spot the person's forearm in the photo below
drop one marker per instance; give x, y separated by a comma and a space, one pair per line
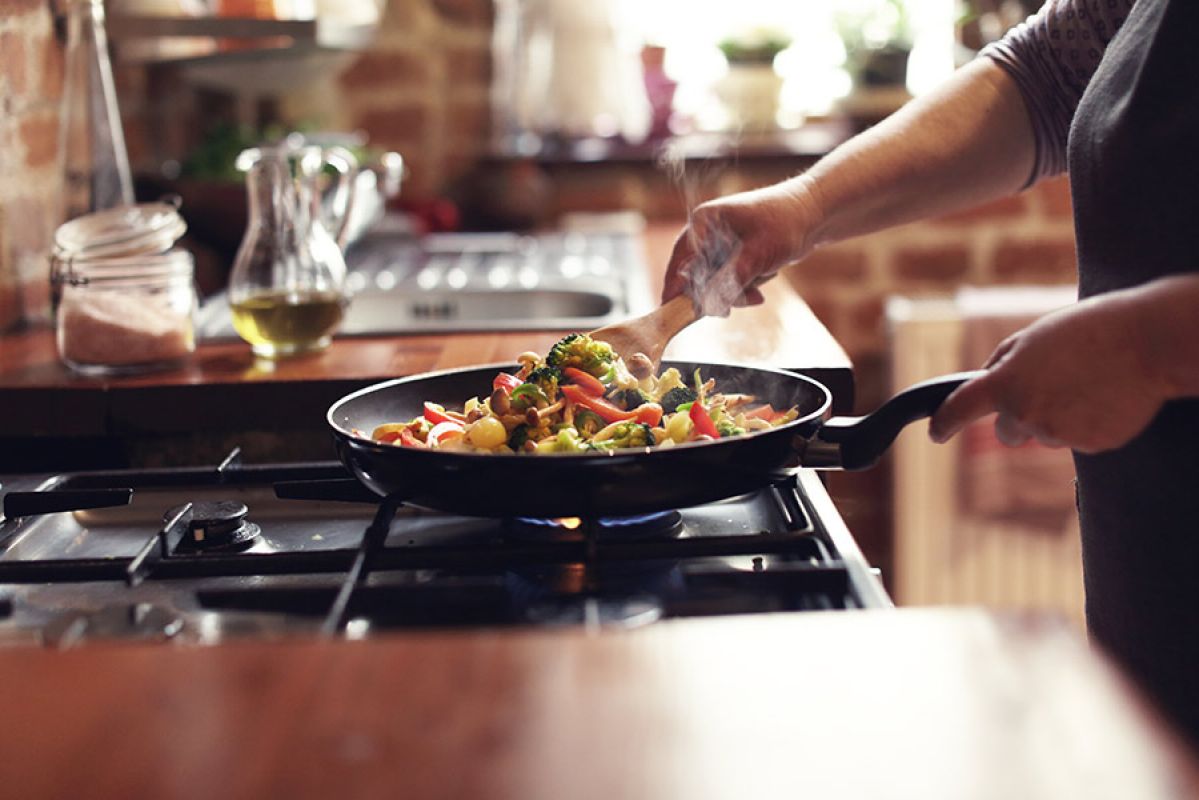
1168, 328
968, 142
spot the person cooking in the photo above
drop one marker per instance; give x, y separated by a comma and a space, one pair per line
1107, 90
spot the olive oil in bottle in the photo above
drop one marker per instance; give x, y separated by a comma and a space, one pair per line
284, 323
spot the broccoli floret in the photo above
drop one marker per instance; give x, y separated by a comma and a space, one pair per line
676, 397
668, 380
546, 379
627, 434
726, 427
570, 442
566, 441
628, 399
518, 437
582, 352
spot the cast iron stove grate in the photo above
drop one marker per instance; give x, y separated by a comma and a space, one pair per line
391, 578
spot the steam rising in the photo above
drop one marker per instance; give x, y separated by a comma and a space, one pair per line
713, 244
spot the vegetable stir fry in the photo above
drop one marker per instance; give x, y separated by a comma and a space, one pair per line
583, 398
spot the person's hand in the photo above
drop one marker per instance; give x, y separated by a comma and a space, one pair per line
1080, 377
735, 243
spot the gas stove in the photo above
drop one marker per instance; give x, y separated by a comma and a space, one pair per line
204, 555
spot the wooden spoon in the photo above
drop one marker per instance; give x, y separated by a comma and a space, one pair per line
651, 333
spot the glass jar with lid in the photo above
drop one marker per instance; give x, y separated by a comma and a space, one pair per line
122, 315
117, 234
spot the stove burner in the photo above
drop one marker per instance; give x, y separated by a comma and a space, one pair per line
663, 524
217, 525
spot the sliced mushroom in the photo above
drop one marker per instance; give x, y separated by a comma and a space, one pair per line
737, 400
537, 416
501, 404
640, 366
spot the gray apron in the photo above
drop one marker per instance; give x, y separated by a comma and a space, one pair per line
1134, 170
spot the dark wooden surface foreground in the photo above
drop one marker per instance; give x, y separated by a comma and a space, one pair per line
895, 704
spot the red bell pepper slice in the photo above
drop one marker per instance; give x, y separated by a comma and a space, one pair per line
702, 423
765, 412
649, 414
506, 381
436, 414
606, 411
408, 440
585, 380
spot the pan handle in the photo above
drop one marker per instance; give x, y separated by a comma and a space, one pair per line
858, 442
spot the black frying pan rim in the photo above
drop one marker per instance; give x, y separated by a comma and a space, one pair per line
467, 457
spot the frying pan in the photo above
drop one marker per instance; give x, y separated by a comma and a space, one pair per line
622, 482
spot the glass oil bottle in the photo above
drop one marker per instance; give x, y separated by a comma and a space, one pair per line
286, 289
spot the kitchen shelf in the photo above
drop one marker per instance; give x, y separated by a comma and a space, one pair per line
812, 140
198, 40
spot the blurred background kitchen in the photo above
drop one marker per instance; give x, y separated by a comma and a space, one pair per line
510, 114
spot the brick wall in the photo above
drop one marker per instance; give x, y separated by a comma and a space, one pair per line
30, 86
1026, 239
423, 88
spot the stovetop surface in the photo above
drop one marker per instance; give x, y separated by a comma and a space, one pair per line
309, 566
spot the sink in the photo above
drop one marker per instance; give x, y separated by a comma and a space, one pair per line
375, 312
481, 281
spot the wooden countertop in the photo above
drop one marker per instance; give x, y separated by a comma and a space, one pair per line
880, 704
41, 397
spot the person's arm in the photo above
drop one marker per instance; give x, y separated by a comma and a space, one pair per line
998, 125
987, 134
967, 142
1090, 376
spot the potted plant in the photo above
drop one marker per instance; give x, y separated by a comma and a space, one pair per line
877, 36
750, 88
